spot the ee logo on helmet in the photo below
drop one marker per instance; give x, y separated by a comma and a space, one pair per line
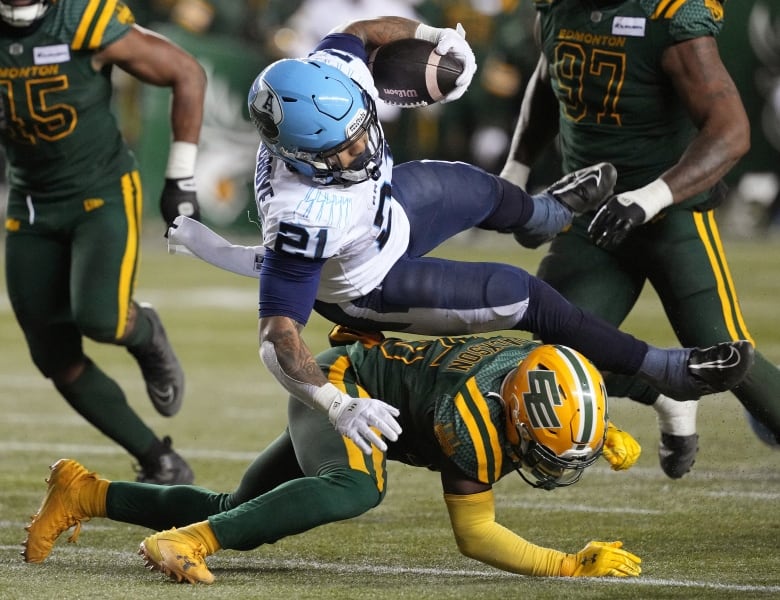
541, 401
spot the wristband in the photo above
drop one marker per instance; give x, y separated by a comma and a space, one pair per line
516, 172
327, 396
181, 160
653, 198
426, 32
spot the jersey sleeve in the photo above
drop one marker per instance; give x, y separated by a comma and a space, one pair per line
690, 19
464, 425
288, 286
97, 23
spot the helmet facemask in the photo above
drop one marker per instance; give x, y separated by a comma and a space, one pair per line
23, 15
541, 468
556, 416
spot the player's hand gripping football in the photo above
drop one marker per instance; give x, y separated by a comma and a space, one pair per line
620, 449
452, 41
179, 198
355, 417
601, 559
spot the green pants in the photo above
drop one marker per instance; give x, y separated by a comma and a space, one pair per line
70, 268
310, 475
682, 257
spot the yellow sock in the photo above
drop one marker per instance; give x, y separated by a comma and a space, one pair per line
92, 496
204, 534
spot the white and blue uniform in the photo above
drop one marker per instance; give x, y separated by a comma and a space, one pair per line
356, 253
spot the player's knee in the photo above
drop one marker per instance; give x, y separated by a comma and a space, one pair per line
60, 359
351, 493
506, 286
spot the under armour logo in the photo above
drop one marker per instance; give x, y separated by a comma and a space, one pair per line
585, 560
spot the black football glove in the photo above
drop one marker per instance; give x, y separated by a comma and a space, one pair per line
179, 198
614, 221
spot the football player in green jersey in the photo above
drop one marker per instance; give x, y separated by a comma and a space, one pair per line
640, 83
74, 208
472, 408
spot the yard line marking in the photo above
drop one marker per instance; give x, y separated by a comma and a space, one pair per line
103, 450
223, 564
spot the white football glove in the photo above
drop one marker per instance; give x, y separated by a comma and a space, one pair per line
354, 418
452, 41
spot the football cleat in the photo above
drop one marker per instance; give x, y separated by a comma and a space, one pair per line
169, 469
706, 370
176, 554
59, 511
159, 366
677, 453
721, 367
679, 442
586, 189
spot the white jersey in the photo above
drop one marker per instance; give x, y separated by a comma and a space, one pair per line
360, 229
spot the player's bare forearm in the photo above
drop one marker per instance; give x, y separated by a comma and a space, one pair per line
714, 104
293, 356
376, 32
153, 59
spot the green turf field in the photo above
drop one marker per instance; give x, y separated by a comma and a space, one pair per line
713, 534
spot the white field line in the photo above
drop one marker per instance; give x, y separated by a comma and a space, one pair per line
226, 298
59, 450
245, 561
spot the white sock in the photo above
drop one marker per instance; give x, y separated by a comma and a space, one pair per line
674, 417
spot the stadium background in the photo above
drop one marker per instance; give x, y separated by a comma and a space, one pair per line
712, 534
235, 39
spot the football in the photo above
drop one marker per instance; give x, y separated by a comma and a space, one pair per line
408, 73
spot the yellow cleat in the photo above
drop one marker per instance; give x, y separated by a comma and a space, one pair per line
179, 555
59, 511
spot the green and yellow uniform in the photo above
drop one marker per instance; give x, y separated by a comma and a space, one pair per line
616, 104
75, 197
447, 392
74, 209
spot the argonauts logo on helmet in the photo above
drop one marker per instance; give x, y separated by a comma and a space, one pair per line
266, 112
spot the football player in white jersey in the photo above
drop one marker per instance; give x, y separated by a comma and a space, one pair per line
346, 233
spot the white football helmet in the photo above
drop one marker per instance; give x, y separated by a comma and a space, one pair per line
556, 416
22, 13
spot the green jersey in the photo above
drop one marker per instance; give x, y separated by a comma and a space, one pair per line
56, 125
447, 391
616, 103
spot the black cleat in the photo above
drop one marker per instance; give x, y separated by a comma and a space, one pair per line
677, 453
586, 189
160, 368
168, 469
721, 367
